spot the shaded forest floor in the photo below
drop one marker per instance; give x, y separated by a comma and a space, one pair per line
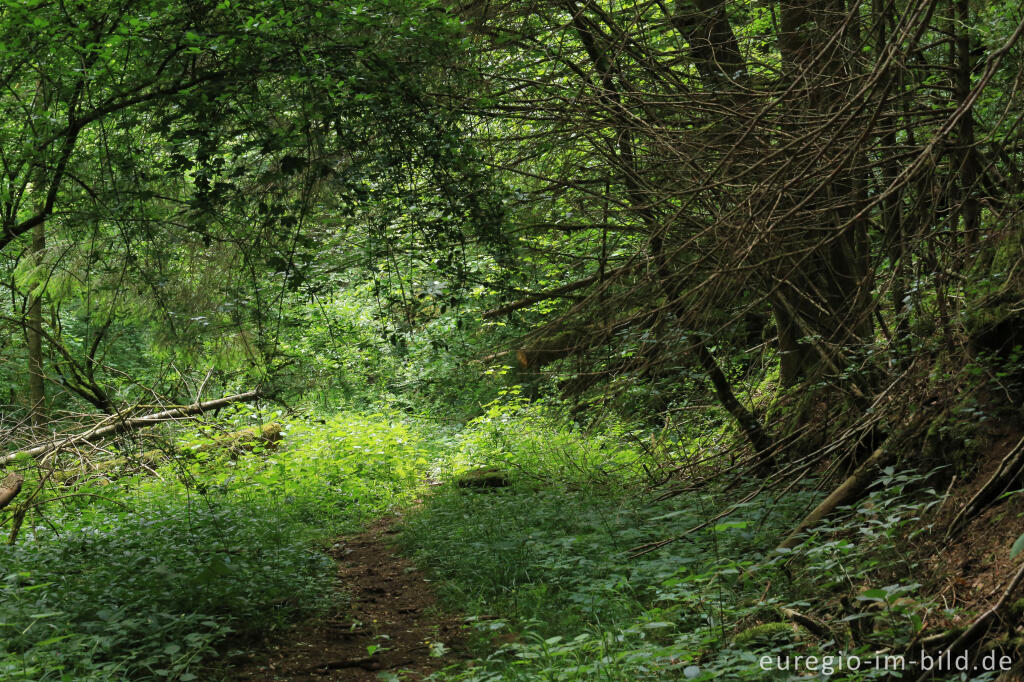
541, 577
387, 621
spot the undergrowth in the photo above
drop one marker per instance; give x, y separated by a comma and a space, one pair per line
143, 574
549, 571
147, 578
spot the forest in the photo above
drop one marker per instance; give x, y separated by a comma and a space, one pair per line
511, 340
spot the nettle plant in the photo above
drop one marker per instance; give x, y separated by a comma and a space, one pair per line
858, 552
531, 437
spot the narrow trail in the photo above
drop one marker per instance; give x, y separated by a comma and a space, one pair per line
391, 623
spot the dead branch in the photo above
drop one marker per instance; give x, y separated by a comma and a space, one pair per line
9, 488
982, 625
124, 424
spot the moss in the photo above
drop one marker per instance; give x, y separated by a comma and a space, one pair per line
245, 440
766, 634
487, 477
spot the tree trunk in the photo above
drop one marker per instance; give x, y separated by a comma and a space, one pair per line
34, 332
823, 289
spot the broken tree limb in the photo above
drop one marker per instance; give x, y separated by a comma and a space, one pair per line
132, 424
849, 490
813, 625
9, 488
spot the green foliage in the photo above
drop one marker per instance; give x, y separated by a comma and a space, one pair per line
348, 350
149, 592
151, 581
185, 163
533, 437
551, 559
326, 199
548, 562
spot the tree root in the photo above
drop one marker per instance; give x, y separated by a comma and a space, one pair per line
984, 623
1010, 469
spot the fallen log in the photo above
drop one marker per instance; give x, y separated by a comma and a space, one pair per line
850, 490
9, 488
483, 478
131, 424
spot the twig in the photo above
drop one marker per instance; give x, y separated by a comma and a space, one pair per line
984, 622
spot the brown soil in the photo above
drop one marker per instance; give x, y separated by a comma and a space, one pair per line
391, 607
970, 571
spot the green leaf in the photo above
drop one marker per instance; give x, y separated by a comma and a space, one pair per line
731, 524
1017, 547
874, 595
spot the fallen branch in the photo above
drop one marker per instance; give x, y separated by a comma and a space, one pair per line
983, 623
813, 625
850, 490
132, 424
9, 488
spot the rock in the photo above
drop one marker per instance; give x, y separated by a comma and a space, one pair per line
484, 477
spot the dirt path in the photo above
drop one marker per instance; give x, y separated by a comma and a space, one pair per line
391, 624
